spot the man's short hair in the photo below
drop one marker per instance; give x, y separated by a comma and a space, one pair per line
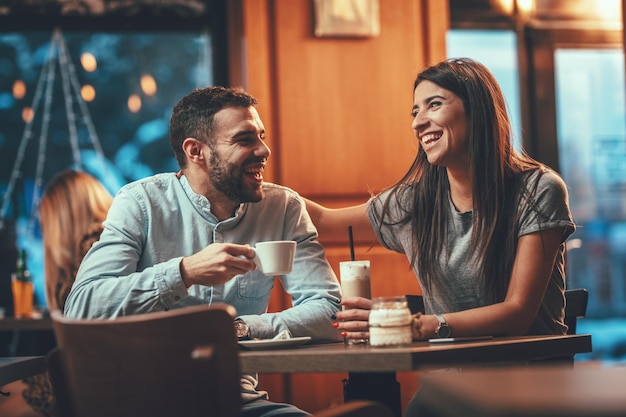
193, 115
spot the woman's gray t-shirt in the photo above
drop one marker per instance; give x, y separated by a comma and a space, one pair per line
460, 288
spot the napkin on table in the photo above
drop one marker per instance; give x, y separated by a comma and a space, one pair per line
282, 335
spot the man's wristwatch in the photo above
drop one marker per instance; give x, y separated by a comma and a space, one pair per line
242, 330
443, 330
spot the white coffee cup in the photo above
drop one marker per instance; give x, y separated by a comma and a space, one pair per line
275, 257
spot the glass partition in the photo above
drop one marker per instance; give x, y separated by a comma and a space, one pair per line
591, 132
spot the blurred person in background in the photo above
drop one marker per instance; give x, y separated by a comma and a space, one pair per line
71, 212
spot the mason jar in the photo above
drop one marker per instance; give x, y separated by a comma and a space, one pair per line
390, 322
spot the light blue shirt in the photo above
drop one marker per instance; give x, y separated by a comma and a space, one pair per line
154, 222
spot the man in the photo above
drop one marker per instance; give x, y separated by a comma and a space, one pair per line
174, 240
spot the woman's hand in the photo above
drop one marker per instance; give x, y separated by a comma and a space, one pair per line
352, 321
417, 326
424, 326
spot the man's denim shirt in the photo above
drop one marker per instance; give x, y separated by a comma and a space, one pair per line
154, 222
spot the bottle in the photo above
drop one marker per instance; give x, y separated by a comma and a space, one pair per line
21, 271
22, 286
390, 322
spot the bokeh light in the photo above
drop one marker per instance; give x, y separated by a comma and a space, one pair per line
88, 61
19, 89
148, 85
88, 93
28, 114
134, 103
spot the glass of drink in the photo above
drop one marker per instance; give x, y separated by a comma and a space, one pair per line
390, 322
22, 297
355, 282
22, 288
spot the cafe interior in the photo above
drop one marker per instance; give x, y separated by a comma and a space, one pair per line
90, 84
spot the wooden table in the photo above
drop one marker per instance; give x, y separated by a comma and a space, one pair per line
12, 330
19, 367
584, 390
370, 369
13, 324
337, 357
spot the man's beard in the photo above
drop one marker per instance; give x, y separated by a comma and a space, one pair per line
228, 179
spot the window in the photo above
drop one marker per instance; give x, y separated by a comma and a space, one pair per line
497, 50
95, 101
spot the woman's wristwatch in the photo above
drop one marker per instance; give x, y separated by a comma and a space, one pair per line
443, 330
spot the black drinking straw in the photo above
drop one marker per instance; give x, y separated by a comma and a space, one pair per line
351, 243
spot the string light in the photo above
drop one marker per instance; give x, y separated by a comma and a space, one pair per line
70, 85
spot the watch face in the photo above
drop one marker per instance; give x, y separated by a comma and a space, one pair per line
241, 328
443, 330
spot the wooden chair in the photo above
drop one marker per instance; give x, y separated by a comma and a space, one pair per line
416, 303
575, 307
178, 363
146, 364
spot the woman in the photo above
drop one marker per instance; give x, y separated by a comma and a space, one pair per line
71, 213
483, 226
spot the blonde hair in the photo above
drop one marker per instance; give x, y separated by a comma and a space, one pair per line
71, 213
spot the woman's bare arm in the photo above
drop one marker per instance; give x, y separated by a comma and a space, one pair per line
536, 254
534, 261
332, 223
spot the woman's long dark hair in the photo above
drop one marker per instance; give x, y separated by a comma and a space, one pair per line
498, 186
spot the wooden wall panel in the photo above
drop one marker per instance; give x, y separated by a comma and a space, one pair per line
390, 271
251, 64
436, 23
344, 104
336, 112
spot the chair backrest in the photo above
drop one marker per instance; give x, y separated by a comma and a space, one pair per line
145, 365
415, 302
575, 307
